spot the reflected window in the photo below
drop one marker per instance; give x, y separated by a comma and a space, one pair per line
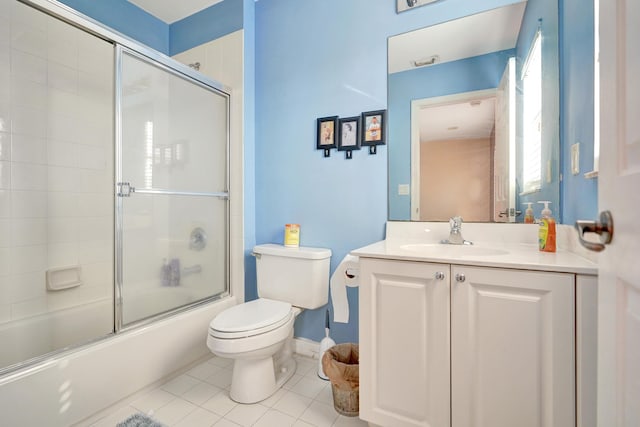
532, 118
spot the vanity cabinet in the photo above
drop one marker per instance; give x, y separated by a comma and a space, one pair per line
448, 345
512, 348
404, 343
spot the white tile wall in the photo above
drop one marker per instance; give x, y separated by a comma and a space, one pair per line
56, 197
5, 118
5, 175
28, 204
5, 204
28, 66
5, 262
5, 230
28, 231
28, 93
5, 146
28, 176
29, 149
29, 121
61, 153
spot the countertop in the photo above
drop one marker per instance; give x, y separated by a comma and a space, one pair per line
522, 256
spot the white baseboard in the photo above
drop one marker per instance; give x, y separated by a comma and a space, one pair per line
306, 347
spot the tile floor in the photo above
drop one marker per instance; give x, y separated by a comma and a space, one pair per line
200, 397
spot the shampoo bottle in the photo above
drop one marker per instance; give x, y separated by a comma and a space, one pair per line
528, 214
547, 231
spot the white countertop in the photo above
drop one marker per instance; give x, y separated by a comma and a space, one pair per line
522, 256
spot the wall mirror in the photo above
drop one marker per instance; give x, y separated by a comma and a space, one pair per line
473, 116
404, 5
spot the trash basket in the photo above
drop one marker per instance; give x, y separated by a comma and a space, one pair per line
341, 364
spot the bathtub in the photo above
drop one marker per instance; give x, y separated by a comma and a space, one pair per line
38, 335
146, 302
76, 384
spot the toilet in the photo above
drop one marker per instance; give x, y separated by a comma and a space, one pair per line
258, 334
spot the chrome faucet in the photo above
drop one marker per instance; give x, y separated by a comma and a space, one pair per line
455, 234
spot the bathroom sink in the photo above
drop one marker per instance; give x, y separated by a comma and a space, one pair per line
440, 249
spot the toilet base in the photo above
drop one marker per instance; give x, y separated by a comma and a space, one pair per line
256, 379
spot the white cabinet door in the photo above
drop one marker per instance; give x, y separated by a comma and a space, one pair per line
404, 343
512, 347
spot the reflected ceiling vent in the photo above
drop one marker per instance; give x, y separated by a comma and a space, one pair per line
426, 61
475, 102
453, 128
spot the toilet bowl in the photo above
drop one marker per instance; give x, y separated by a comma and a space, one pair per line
258, 334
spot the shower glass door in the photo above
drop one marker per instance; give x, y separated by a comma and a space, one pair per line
56, 185
172, 187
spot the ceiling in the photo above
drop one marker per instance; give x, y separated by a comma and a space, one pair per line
473, 35
172, 11
461, 120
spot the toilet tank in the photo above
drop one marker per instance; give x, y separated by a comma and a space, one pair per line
299, 276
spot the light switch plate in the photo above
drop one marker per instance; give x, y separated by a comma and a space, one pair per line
575, 158
403, 189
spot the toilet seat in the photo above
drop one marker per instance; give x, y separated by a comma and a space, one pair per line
251, 318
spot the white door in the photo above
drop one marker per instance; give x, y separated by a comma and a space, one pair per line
504, 159
619, 192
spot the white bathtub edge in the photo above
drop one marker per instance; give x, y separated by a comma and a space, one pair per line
71, 388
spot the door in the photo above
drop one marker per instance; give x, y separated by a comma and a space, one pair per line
504, 154
512, 348
173, 187
404, 343
619, 180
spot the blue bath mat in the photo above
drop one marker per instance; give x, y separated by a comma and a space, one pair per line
139, 420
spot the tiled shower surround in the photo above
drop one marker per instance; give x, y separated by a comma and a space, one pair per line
56, 179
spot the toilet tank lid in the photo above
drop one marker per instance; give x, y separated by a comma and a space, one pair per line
300, 252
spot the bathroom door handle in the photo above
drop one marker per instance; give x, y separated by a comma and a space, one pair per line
603, 228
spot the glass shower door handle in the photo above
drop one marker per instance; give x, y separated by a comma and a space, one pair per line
125, 189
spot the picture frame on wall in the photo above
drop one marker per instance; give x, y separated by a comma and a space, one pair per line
374, 129
326, 134
349, 135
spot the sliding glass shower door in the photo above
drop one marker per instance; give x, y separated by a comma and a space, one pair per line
172, 184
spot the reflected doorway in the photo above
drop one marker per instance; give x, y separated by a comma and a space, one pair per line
463, 156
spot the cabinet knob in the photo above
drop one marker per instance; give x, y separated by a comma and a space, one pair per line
439, 275
460, 277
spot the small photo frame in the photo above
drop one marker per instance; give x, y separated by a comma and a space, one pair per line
349, 135
326, 133
374, 129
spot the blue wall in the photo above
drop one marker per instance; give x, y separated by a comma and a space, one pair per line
249, 148
314, 59
579, 195
465, 75
209, 24
127, 19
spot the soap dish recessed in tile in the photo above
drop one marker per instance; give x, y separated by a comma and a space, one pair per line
63, 278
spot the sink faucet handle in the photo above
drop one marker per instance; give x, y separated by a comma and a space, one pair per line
455, 223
